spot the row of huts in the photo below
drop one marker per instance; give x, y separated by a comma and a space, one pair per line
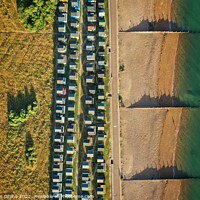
66, 82
95, 102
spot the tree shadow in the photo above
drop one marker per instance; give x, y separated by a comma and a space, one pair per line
159, 25
22, 100
162, 101
165, 172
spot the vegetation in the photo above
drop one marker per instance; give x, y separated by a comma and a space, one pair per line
25, 62
31, 155
36, 14
121, 68
17, 119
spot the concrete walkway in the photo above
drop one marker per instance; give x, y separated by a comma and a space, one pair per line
114, 85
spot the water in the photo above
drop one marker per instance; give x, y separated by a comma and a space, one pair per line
186, 14
187, 91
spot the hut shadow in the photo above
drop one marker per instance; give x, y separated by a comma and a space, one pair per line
22, 100
165, 172
159, 25
147, 101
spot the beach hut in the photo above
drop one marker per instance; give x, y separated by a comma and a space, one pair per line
88, 120
57, 196
62, 59
58, 167
58, 158
91, 7
89, 100
73, 55
100, 3
87, 142
101, 61
100, 147
71, 117
91, 130
101, 52
57, 177
102, 23
61, 80
91, 27
101, 13
73, 65
59, 129
101, 137
69, 161
72, 96
62, 18
90, 56
100, 179
71, 106
90, 153
85, 165
91, 111
60, 69
102, 32
59, 138
92, 89
101, 105
61, 48
75, 4
75, 14
100, 159
62, 28
101, 127
74, 33
101, 168
100, 116
71, 128
90, 67
70, 139
68, 182
62, 7
85, 186
60, 109
61, 37
58, 148
57, 187
73, 44
72, 76
69, 171
61, 91
101, 85
91, 36
90, 46
68, 194
60, 100
91, 17
101, 96
70, 150
72, 87
101, 42
85, 176
100, 74
90, 79
74, 23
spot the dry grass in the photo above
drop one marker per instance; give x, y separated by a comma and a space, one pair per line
26, 61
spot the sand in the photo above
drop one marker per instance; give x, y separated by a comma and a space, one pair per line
148, 76
148, 142
133, 13
153, 190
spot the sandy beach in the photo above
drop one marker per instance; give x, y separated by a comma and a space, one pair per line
154, 190
148, 144
133, 13
148, 76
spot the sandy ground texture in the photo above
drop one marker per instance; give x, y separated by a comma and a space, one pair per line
148, 76
134, 15
148, 142
153, 190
